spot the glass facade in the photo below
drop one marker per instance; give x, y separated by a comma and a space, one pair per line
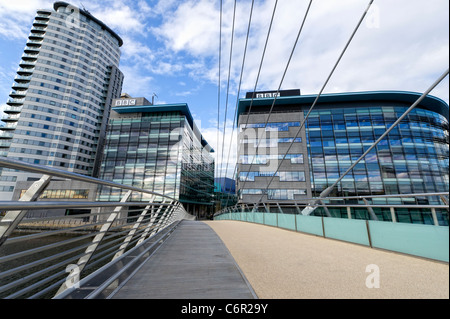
412, 159
224, 193
159, 152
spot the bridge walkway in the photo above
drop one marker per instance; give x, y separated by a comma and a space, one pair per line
193, 263
284, 264
200, 261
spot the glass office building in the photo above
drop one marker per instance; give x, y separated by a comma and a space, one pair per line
224, 192
58, 108
158, 148
412, 159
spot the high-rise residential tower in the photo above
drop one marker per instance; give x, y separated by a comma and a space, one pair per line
58, 108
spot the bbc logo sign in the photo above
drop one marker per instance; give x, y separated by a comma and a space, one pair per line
271, 94
125, 102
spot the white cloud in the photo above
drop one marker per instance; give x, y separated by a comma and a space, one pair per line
192, 27
16, 17
400, 46
121, 17
136, 83
135, 51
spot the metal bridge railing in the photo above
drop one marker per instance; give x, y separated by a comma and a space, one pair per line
48, 256
361, 222
353, 202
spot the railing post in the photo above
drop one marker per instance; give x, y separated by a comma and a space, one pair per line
150, 223
171, 214
279, 208
445, 200
10, 221
325, 208
372, 214
247, 211
130, 235
161, 220
394, 219
433, 213
299, 212
264, 214
323, 227
368, 234
297, 208
82, 262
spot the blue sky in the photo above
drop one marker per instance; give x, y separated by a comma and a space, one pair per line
171, 49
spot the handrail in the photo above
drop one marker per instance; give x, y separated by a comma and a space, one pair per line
34, 168
326, 203
63, 250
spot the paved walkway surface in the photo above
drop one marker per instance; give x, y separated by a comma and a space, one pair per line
285, 264
193, 263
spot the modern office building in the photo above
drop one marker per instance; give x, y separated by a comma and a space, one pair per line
413, 158
224, 192
158, 148
58, 108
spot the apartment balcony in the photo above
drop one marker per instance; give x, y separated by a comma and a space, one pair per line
29, 57
12, 101
25, 71
32, 49
40, 23
27, 64
18, 94
12, 109
5, 143
6, 135
44, 15
41, 19
36, 36
34, 43
22, 78
9, 126
38, 29
10, 118
17, 85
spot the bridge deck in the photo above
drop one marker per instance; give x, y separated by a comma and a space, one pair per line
193, 263
286, 264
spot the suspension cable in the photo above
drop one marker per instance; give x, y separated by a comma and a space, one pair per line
328, 190
257, 77
218, 87
228, 83
320, 92
240, 82
279, 87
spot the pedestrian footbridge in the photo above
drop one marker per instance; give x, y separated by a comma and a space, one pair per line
162, 252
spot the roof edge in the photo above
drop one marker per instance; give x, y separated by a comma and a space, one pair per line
182, 107
86, 13
430, 102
